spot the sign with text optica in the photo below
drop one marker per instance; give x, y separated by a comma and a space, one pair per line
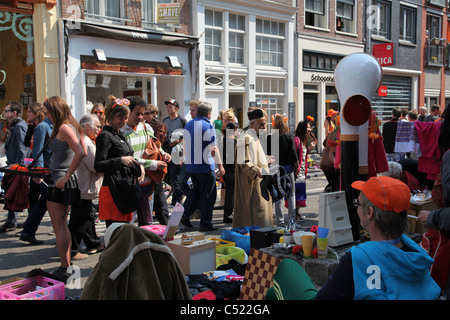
384, 53
169, 13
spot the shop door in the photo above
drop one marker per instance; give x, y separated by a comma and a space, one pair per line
310, 109
236, 102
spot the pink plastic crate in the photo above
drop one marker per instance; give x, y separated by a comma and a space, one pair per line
155, 228
35, 288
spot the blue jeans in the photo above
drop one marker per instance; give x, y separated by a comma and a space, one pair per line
174, 173
37, 213
183, 180
202, 196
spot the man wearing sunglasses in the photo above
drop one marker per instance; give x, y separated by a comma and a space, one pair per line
15, 152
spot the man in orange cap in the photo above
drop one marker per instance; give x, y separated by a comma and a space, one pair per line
390, 266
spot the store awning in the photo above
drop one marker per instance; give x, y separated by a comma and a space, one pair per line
128, 34
137, 35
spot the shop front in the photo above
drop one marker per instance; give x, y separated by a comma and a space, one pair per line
396, 91
103, 61
17, 60
316, 91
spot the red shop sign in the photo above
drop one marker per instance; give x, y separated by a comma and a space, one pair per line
382, 91
384, 53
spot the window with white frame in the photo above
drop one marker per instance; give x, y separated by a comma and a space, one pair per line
345, 16
316, 13
236, 33
150, 11
382, 19
408, 24
105, 11
270, 95
213, 35
270, 38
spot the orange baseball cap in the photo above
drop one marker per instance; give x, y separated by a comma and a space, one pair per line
386, 193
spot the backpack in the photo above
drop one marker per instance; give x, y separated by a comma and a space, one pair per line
278, 184
436, 243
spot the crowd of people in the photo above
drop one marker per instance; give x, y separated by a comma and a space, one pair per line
93, 161
123, 156
414, 155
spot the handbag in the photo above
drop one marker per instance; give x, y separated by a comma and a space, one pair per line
125, 194
152, 152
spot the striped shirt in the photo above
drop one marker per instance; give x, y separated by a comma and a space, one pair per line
138, 141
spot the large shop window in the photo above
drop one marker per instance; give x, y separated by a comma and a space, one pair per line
398, 96
270, 95
320, 61
17, 65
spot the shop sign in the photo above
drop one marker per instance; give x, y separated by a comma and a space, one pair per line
384, 53
382, 91
169, 13
319, 78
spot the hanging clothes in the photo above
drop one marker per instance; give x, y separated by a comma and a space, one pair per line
429, 162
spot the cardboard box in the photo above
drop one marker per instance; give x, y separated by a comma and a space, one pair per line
263, 237
9, 280
195, 258
414, 225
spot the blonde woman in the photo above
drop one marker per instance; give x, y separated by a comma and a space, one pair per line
68, 150
99, 110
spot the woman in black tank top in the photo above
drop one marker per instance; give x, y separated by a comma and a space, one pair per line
67, 143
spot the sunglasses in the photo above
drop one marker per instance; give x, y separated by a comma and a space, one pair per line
356, 203
121, 102
98, 112
7, 110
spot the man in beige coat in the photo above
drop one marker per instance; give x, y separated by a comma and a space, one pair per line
250, 207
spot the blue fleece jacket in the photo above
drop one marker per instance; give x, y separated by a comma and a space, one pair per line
386, 272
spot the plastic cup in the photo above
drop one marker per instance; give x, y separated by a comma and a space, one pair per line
307, 245
322, 232
322, 248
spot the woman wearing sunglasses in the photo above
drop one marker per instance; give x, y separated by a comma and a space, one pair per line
99, 110
114, 157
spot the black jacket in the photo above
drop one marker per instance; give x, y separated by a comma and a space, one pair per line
111, 146
389, 133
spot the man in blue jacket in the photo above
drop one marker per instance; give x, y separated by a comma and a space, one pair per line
16, 150
201, 158
390, 266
